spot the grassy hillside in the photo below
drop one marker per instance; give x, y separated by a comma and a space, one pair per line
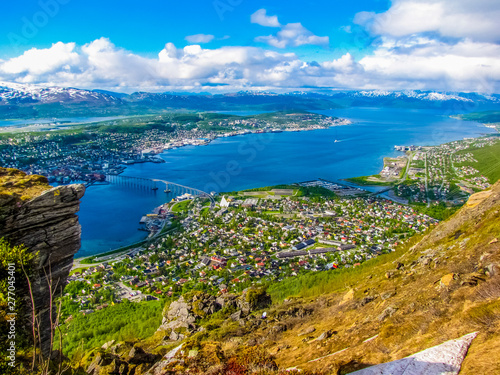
436, 287
488, 158
487, 117
429, 291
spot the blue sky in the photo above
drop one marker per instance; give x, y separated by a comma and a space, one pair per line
377, 44
145, 27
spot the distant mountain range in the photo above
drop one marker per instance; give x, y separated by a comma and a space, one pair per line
34, 101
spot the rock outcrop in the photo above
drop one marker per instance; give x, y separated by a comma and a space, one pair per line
45, 223
182, 315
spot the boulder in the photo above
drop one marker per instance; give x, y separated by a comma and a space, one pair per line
137, 355
367, 300
307, 331
236, 316
387, 295
349, 296
325, 335
388, 312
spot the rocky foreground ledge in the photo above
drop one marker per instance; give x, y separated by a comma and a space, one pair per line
44, 220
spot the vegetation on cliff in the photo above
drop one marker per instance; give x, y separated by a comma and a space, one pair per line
14, 183
16, 265
126, 321
39, 234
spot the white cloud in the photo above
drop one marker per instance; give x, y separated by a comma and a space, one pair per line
261, 18
347, 29
477, 20
437, 44
200, 38
41, 61
414, 62
465, 66
293, 34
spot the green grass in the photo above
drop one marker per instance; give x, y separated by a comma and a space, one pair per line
124, 321
269, 188
488, 158
363, 180
181, 206
325, 282
439, 212
484, 117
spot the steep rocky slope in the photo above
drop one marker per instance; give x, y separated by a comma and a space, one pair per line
433, 289
43, 219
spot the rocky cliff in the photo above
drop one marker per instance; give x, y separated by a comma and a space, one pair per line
43, 219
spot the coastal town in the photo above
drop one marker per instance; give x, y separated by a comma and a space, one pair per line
87, 154
447, 173
251, 238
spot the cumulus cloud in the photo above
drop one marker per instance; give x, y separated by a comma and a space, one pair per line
290, 35
261, 18
467, 66
200, 38
415, 62
42, 61
439, 44
293, 34
477, 20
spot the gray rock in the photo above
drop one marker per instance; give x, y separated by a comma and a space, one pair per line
367, 300
278, 328
325, 335
492, 269
108, 344
307, 331
137, 355
387, 295
46, 224
236, 316
387, 313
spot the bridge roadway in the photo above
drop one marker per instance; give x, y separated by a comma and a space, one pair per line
381, 191
150, 183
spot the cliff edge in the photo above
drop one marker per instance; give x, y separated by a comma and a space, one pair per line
44, 220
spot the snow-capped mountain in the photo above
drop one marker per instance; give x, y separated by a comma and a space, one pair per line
430, 96
14, 93
37, 101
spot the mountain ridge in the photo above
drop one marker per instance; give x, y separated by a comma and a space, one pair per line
37, 101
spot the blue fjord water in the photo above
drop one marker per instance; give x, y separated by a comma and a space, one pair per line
110, 214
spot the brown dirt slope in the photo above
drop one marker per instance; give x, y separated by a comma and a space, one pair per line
445, 286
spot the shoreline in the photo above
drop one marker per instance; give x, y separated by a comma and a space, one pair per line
342, 121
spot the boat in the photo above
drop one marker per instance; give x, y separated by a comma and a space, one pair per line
155, 188
167, 191
336, 141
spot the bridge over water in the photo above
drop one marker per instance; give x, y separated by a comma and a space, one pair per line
168, 187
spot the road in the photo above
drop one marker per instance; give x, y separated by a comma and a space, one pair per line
407, 167
426, 188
